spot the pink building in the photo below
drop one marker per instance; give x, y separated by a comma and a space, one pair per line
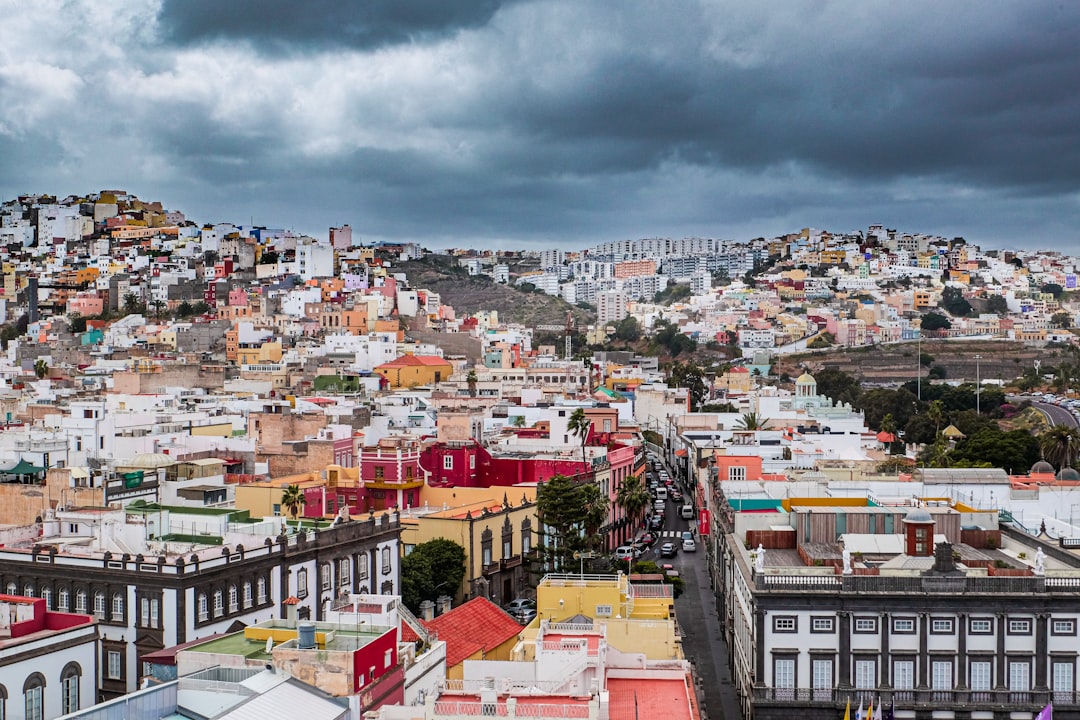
85, 304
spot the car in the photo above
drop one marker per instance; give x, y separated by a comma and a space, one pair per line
676, 495
687, 535
625, 552
668, 549
518, 605
647, 539
688, 545
525, 616
657, 523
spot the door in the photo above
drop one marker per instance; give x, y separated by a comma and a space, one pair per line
823, 679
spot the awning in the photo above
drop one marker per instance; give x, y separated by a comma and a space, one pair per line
24, 468
79, 473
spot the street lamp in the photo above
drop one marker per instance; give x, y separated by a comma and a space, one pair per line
918, 366
978, 385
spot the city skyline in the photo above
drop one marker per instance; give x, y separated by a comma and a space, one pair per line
543, 123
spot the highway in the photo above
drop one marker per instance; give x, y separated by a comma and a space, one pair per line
1055, 414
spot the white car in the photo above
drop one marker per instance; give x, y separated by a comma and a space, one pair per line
689, 545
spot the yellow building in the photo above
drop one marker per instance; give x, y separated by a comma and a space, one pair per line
267, 352
415, 370
497, 536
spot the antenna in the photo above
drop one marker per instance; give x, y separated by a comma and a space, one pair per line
269, 644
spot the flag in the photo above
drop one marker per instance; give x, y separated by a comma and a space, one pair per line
1047, 713
847, 710
870, 710
859, 713
890, 714
877, 711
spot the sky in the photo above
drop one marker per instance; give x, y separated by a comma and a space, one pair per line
488, 124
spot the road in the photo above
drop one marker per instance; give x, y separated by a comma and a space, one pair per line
1056, 414
695, 610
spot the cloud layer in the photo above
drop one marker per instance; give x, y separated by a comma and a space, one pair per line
550, 122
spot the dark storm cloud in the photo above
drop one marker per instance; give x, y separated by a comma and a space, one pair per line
317, 24
553, 121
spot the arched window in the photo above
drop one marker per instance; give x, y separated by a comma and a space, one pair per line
46, 594
80, 601
117, 607
69, 688
261, 591
203, 614
219, 604
247, 594
99, 605
12, 589
344, 577
362, 566
28, 590
63, 600
33, 696
233, 604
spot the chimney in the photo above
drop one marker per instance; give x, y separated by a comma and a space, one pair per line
290, 610
444, 604
427, 611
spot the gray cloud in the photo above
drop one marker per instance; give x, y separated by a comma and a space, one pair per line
559, 121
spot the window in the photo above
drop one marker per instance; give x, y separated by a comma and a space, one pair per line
941, 626
981, 626
324, 577
1019, 676
362, 566
115, 668
1020, 627
380, 472
148, 612
865, 674
247, 594
508, 547
486, 555
261, 590
941, 675
822, 677
1063, 678
62, 598
233, 604
219, 604
301, 583
736, 473
903, 626
204, 615
903, 674
448, 462
344, 572
979, 677
69, 689
472, 462
866, 625
386, 561
99, 605
822, 624
32, 695
117, 607
28, 591
784, 678
1063, 627
785, 624
526, 539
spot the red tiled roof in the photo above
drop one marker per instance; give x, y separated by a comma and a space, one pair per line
885, 437
477, 625
414, 360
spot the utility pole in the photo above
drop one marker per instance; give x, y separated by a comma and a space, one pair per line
978, 385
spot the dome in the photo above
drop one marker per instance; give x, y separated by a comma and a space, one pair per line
918, 515
806, 379
1042, 467
1068, 473
149, 461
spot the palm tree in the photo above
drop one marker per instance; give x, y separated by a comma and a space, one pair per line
579, 426
751, 421
633, 498
594, 506
936, 414
41, 368
1060, 445
292, 499
519, 421
471, 380
131, 303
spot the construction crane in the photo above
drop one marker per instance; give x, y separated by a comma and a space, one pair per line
568, 328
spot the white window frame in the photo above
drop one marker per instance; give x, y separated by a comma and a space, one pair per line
865, 674
866, 625
784, 673
942, 626
822, 624
1019, 676
69, 694
981, 675
260, 587
822, 675
99, 604
247, 594
1063, 627
80, 602
63, 600
447, 462
907, 623
324, 576
975, 626
117, 607
202, 607
1020, 626
362, 567
903, 674
344, 572
1063, 677
941, 674
114, 665
219, 603
234, 603
32, 701
785, 623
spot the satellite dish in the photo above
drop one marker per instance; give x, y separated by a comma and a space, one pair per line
269, 644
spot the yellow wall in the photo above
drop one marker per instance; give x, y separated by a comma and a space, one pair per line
404, 376
502, 652
268, 352
219, 430
824, 502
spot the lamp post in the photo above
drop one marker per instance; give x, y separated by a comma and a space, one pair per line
978, 385
918, 366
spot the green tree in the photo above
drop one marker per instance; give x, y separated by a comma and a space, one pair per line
932, 322
1053, 289
689, 376
628, 329
518, 421
838, 385
433, 568
1061, 319
185, 309
1060, 445
561, 508
292, 500
131, 303
634, 499
41, 368
594, 505
997, 304
953, 300
77, 323
200, 308
936, 413
471, 381
579, 426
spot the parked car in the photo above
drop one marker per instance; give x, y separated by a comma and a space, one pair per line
518, 605
688, 545
657, 522
668, 549
687, 535
525, 616
648, 539
625, 552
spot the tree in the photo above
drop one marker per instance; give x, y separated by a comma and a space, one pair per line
158, 305
200, 308
633, 498
1060, 445
1061, 319
185, 310
936, 413
562, 511
953, 300
1053, 289
77, 323
628, 329
579, 426
751, 421
594, 505
471, 380
433, 568
41, 368
933, 321
689, 376
997, 304
131, 303
518, 421
292, 500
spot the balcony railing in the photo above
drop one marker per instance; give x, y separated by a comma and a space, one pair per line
1025, 700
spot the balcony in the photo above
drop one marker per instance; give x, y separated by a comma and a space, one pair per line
923, 698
